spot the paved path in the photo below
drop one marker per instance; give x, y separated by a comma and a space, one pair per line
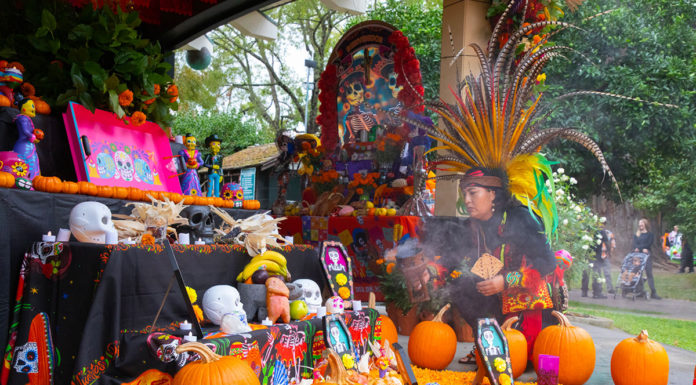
668, 308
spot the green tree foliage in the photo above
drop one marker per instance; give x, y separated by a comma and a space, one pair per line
236, 134
421, 22
642, 49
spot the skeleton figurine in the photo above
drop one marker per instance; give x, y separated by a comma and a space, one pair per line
222, 306
90, 222
200, 223
356, 121
308, 291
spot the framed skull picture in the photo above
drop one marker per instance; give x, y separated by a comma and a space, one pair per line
337, 337
492, 344
338, 270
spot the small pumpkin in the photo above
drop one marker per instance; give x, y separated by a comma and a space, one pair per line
213, 369
70, 187
87, 188
105, 191
165, 195
517, 344
219, 202
201, 201
135, 194
175, 197
189, 200
573, 346
51, 184
640, 361
155, 194
7, 179
432, 344
389, 333
121, 192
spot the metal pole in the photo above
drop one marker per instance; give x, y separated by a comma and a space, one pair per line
306, 112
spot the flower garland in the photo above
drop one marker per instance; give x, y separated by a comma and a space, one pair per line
364, 184
407, 68
328, 108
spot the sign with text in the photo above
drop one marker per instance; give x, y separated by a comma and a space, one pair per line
247, 179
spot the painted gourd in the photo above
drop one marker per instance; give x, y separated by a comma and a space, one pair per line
573, 346
432, 344
640, 361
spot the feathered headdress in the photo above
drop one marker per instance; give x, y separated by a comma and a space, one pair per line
496, 120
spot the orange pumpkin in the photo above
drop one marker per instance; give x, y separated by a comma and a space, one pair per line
201, 201
517, 344
51, 184
121, 192
155, 194
135, 194
640, 361
432, 344
105, 191
189, 200
87, 188
573, 346
219, 202
164, 195
175, 197
70, 187
7, 179
213, 369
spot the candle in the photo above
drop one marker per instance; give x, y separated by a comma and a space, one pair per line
48, 237
267, 322
321, 311
185, 326
357, 305
190, 338
184, 239
111, 238
63, 235
128, 241
200, 242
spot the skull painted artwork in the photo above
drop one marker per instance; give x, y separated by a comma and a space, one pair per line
124, 165
105, 165
200, 223
27, 358
143, 171
90, 221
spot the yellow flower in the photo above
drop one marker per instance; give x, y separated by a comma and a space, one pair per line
455, 274
500, 364
348, 361
541, 77
193, 296
504, 379
19, 169
341, 279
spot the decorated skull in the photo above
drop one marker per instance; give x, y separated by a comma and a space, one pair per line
200, 223
90, 221
354, 93
105, 165
220, 300
27, 358
143, 171
309, 292
334, 305
124, 165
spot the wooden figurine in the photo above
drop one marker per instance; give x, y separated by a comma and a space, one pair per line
213, 161
190, 185
25, 146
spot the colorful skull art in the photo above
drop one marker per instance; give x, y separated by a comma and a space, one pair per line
105, 165
27, 358
143, 171
124, 165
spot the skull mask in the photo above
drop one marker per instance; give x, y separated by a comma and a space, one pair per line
90, 221
200, 223
309, 293
124, 164
220, 300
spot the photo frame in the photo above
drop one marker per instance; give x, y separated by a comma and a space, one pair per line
337, 336
492, 345
338, 269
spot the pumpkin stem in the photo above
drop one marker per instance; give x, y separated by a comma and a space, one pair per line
206, 354
335, 371
371, 300
507, 325
643, 336
561, 318
438, 317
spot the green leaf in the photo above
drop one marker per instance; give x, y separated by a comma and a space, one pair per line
92, 68
81, 32
86, 100
77, 79
47, 20
112, 82
113, 100
99, 81
41, 32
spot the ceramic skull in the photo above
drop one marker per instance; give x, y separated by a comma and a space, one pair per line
334, 305
220, 300
124, 165
309, 292
200, 223
90, 221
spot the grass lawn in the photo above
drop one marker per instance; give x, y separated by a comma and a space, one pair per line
666, 331
675, 286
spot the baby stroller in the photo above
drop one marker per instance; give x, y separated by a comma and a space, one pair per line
631, 278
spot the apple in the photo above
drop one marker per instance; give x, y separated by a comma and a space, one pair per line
298, 309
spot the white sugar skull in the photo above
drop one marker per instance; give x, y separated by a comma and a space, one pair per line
124, 165
27, 358
310, 293
90, 221
334, 305
220, 300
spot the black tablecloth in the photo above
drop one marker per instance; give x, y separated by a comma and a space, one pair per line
91, 294
24, 217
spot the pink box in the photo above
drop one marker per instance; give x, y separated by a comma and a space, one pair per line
121, 154
547, 373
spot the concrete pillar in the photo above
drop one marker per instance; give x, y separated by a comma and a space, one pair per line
467, 21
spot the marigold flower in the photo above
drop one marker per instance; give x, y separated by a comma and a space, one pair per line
456, 274
359, 190
191, 292
28, 89
199, 313
390, 267
147, 239
125, 98
173, 90
380, 261
138, 118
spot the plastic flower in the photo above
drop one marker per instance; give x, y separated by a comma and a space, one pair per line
125, 98
138, 118
19, 169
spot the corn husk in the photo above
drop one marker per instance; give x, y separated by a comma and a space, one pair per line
158, 213
256, 233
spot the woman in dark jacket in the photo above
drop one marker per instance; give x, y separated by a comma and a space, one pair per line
642, 242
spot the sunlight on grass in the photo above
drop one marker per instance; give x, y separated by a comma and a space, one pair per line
676, 286
666, 331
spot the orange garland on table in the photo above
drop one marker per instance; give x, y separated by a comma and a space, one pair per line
449, 377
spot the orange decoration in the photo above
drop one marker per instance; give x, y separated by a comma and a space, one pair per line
175, 197
121, 192
517, 344
70, 187
135, 194
155, 194
189, 200
87, 188
200, 201
105, 191
7, 179
51, 184
432, 344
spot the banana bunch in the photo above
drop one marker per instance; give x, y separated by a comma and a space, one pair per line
273, 262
